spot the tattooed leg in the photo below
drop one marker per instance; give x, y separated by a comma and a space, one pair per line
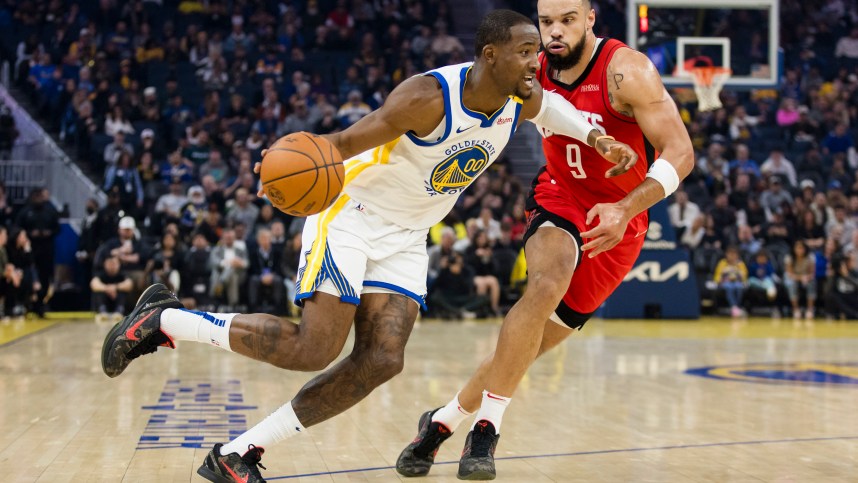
308, 346
382, 326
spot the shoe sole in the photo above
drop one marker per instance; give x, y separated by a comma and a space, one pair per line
477, 475
122, 325
420, 422
210, 475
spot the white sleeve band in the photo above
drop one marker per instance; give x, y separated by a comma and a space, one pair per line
560, 117
664, 172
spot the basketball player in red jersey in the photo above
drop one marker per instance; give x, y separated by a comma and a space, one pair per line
585, 227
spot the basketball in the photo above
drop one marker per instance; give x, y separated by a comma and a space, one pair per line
302, 174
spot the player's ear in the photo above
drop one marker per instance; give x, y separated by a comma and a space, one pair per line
489, 53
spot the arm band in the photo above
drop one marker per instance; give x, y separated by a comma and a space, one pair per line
560, 117
664, 172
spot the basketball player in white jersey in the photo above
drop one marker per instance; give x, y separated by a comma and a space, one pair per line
365, 256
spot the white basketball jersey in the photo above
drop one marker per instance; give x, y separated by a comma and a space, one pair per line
414, 182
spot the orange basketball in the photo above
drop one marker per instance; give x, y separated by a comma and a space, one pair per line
302, 174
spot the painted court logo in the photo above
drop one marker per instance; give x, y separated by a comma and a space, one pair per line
801, 373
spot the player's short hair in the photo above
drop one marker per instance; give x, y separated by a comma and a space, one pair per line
496, 27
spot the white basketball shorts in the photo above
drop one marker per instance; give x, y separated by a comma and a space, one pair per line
349, 250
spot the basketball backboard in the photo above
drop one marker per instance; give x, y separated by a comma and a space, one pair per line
679, 34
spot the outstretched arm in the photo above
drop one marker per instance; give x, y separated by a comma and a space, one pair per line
416, 105
638, 88
554, 113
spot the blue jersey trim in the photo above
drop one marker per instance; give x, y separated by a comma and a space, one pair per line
448, 114
485, 121
299, 298
515, 120
421, 300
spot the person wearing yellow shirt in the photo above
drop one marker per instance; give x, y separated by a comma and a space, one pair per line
731, 274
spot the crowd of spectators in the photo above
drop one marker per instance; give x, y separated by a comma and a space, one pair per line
168, 105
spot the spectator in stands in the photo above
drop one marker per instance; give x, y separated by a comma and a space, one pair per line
682, 212
444, 44
453, 294
742, 125
195, 272
298, 120
809, 231
800, 275
115, 122
744, 164
774, 198
265, 274
243, 210
169, 205
838, 141
489, 225
840, 226
126, 178
110, 289
215, 167
148, 144
177, 169
165, 266
787, 114
114, 150
740, 195
128, 248
762, 276
228, 266
41, 221
844, 290
748, 245
7, 279
731, 275
846, 50
440, 251
777, 164
479, 257
353, 110
24, 276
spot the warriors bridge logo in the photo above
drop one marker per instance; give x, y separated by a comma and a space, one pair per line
465, 161
802, 373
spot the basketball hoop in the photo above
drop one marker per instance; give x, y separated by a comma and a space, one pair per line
708, 81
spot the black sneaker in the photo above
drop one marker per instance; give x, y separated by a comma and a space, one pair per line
478, 457
139, 333
233, 468
417, 458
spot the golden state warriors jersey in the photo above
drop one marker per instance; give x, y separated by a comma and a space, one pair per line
414, 182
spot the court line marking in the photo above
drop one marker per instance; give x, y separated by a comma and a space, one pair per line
16, 339
583, 453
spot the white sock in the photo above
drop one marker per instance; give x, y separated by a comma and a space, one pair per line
184, 324
451, 415
492, 409
281, 424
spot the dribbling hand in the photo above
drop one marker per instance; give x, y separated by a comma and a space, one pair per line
618, 153
256, 167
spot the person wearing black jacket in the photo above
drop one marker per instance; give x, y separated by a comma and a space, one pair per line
42, 222
265, 273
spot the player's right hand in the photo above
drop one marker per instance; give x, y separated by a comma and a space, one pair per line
618, 153
257, 166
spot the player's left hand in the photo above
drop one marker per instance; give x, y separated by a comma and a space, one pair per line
618, 153
613, 221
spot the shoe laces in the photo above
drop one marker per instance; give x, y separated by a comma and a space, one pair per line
148, 345
481, 441
432, 440
253, 459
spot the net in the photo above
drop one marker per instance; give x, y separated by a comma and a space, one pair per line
708, 81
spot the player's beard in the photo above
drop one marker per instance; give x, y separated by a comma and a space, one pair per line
563, 62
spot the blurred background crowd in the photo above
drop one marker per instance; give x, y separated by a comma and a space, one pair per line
167, 105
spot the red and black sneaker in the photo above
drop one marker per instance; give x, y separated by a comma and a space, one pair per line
139, 333
478, 457
417, 458
233, 468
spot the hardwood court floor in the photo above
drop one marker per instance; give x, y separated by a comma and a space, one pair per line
613, 404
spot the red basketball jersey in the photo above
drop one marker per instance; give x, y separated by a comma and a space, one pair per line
573, 179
